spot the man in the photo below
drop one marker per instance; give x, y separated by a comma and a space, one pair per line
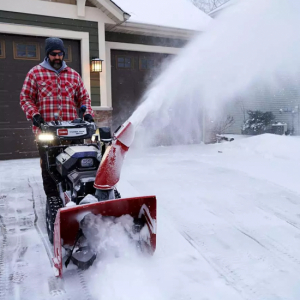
53, 88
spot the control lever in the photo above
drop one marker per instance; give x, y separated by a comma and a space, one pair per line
82, 110
56, 117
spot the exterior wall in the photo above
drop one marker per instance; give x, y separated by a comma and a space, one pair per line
103, 118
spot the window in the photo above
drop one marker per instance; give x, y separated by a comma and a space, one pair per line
68, 56
2, 49
146, 64
27, 51
124, 62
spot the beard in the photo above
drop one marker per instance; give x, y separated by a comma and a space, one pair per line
56, 63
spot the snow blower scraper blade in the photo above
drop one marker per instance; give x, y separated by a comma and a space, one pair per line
67, 222
141, 209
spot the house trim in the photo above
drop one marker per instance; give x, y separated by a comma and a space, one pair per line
55, 10
48, 32
128, 47
155, 30
111, 9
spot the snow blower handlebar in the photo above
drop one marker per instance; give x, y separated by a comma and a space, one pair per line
81, 112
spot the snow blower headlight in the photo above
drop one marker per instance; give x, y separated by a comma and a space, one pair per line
87, 163
46, 137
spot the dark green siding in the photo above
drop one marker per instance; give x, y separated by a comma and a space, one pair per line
67, 24
143, 39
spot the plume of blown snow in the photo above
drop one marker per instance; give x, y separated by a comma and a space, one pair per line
251, 42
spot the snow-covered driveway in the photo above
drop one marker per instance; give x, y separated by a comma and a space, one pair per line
228, 227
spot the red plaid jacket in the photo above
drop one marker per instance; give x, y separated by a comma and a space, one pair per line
46, 93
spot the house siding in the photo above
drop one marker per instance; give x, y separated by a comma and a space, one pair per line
285, 99
66, 24
144, 40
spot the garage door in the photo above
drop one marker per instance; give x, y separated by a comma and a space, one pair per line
132, 72
18, 54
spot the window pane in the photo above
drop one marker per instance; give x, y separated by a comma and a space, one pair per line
127, 62
121, 65
21, 47
66, 53
21, 50
31, 54
120, 59
31, 48
150, 64
143, 63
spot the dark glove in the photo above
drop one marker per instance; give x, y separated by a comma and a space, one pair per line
37, 120
88, 118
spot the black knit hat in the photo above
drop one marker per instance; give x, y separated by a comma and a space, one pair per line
54, 44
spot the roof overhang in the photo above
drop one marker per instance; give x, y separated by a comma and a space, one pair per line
122, 25
112, 10
151, 30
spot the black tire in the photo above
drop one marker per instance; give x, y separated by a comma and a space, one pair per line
53, 204
117, 194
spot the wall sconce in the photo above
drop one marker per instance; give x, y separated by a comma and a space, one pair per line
97, 65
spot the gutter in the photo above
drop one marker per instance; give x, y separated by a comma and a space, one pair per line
126, 17
156, 30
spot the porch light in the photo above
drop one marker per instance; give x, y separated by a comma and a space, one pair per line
97, 65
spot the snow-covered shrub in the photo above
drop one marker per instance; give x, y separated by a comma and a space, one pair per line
258, 122
218, 128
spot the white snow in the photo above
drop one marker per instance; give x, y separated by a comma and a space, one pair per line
223, 6
228, 227
109, 236
168, 13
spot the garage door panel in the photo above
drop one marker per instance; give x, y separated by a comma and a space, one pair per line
17, 143
132, 72
12, 114
3, 83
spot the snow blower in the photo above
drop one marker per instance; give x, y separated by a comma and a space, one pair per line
86, 175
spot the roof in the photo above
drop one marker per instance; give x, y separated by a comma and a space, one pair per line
181, 14
172, 18
216, 11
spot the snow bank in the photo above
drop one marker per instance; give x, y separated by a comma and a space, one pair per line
270, 146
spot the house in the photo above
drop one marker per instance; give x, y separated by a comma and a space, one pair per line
132, 37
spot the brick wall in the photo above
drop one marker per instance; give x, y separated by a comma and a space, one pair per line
103, 118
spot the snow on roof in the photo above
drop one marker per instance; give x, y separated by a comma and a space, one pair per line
223, 6
180, 14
